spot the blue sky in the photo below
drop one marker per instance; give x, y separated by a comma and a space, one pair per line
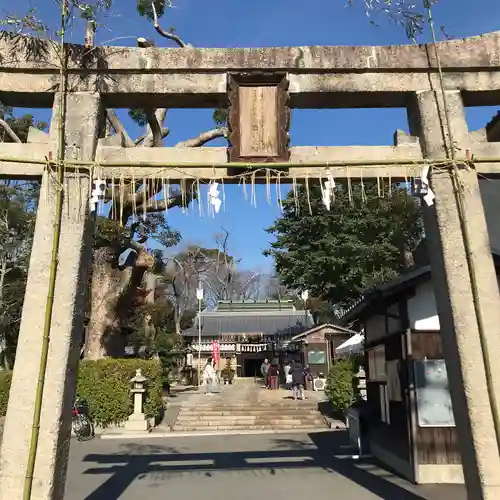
231, 23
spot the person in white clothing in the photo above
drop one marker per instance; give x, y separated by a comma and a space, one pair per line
209, 376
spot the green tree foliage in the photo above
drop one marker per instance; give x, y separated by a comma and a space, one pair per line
338, 254
145, 9
18, 202
17, 221
409, 15
19, 124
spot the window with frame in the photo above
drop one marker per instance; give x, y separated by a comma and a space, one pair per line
376, 364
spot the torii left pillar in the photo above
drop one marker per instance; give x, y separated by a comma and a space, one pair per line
82, 124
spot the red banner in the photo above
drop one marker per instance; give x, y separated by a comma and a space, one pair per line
215, 350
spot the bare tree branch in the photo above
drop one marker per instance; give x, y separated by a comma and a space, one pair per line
119, 128
9, 131
166, 34
164, 133
203, 138
152, 205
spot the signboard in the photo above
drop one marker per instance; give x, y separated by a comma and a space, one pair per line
434, 407
316, 357
215, 350
259, 117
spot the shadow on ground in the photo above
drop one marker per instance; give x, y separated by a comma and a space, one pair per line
136, 460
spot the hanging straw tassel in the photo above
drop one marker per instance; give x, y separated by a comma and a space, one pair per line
79, 193
164, 192
279, 195
145, 199
363, 193
198, 194
113, 207
61, 187
223, 194
349, 186
134, 200
308, 195
122, 197
254, 198
295, 195
245, 195
183, 195
156, 191
169, 189
268, 186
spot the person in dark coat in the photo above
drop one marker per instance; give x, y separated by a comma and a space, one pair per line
297, 380
273, 376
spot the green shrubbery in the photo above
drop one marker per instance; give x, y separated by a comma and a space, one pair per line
5, 378
340, 384
105, 385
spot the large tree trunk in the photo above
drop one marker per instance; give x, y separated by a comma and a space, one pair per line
108, 285
112, 292
149, 326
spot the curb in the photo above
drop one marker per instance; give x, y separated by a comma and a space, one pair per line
152, 435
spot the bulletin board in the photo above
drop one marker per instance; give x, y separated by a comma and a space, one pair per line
434, 407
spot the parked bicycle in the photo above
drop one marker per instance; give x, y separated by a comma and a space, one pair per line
81, 423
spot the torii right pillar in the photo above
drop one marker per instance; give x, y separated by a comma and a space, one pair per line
471, 359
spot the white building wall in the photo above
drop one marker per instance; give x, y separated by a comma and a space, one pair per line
422, 309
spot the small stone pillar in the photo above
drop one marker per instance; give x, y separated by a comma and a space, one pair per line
137, 421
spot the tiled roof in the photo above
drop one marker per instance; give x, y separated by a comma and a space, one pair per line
255, 305
265, 323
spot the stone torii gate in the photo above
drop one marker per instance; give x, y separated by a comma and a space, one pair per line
259, 85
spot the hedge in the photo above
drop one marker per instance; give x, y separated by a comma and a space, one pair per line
5, 379
105, 385
340, 386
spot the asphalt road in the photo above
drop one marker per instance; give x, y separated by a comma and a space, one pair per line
295, 467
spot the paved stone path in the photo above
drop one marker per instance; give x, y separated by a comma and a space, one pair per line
293, 467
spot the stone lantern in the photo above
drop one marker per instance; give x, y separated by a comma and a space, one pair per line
137, 421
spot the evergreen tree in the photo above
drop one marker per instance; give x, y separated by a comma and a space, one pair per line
338, 254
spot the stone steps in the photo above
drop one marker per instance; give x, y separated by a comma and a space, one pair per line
249, 408
213, 428
249, 417
249, 411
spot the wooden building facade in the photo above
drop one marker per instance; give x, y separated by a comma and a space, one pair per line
410, 423
318, 346
247, 332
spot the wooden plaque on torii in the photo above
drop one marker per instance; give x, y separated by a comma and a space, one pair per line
259, 117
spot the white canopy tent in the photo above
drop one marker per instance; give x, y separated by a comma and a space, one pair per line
353, 345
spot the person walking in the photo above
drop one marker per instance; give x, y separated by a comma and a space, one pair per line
297, 380
287, 369
274, 375
264, 370
209, 377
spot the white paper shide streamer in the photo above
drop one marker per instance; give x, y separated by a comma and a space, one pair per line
327, 191
98, 193
214, 201
425, 188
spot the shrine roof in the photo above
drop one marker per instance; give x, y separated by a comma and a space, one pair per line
252, 323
